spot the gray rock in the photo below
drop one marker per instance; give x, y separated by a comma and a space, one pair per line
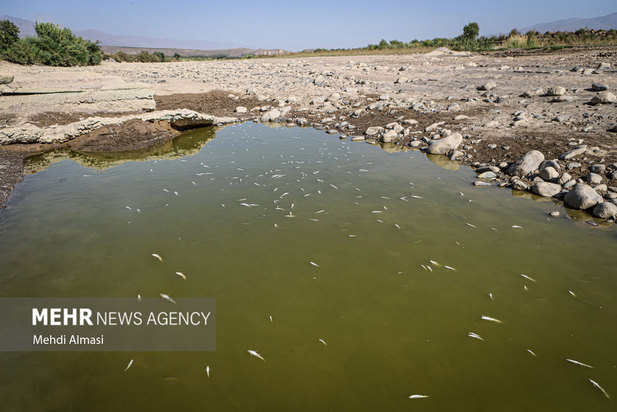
271, 115
373, 131
593, 178
604, 98
552, 163
556, 91
582, 197
573, 153
569, 184
240, 109
597, 168
480, 183
564, 178
599, 87
563, 99
487, 175
520, 185
357, 139
605, 210
433, 126
549, 173
487, 86
445, 144
546, 189
526, 164
388, 136
533, 92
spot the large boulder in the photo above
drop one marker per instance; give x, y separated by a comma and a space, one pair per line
582, 197
526, 164
604, 98
271, 115
446, 144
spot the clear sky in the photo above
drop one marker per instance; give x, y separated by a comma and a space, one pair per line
296, 25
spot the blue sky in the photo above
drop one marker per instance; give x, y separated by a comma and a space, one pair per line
296, 25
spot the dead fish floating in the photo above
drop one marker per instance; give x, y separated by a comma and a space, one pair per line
181, 275
475, 336
154, 255
490, 319
255, 354
597, 385
418, 396
579, 363
129, 365
168, 298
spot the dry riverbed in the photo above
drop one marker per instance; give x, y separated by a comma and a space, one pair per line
542, 123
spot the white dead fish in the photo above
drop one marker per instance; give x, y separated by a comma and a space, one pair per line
397, 226
490, 295
323, 341
418, 396
474, 335
416, 197
314, 264
532, 352
449, 268
516, 227
491, 319
527, 277
138, 298
470, 225
154, 255
166, 297
128, 207
129, 365
208, 371
435, 263
333, 186
181, 275
320, 211
270, 318
255, 354
376, 211
579, 363
351, 235
597, 385
429, 268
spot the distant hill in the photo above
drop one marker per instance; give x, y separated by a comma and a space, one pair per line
26, 28
607, 22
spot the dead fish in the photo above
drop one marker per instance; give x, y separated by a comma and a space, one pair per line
491, 319
181, 275
527, 277
470, 225
397, 226
579, 363
333, 186
449, 268
166, 297
376, 211
154, 255
516, 227
323, 341
532, 352
434, 263
129, 365
270, 318
138, 298
416, 197
597, 385
418, 396
490, 295
208, 371
429, 268
128, 207
314, 264
314, 220
320, 211
351, 235
475, 336
255, 354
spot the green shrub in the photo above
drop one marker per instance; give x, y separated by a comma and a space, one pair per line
9, 34
53, 46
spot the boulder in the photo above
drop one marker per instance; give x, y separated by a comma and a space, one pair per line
546, 189
445, 144
271, 115
604, 98
556, 91
582, 197
605, 210
526, 164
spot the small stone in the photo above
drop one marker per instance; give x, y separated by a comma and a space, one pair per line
546, 189
556, 91
605, 210
573, 153
549, 173
487, 175
240, 109
526, 164
520, 185
372, 131
599, 87
593, 178
487, 86
597, 168
604, 98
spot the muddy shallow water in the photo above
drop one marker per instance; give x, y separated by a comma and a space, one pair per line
408, 258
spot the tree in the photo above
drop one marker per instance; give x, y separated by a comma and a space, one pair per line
471, 31
9, 34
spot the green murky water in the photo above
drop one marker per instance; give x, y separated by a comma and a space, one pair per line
393, 328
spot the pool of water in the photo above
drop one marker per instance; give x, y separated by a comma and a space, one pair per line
406, 258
